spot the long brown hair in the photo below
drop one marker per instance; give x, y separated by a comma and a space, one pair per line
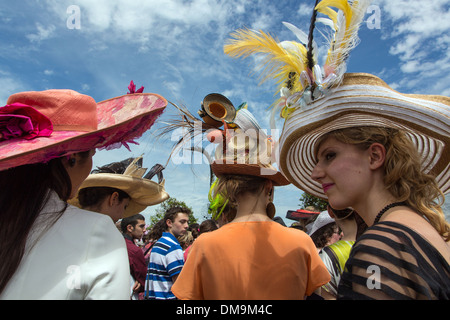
404, 177
24, 193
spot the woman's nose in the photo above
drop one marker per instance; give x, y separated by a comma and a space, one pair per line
318, 173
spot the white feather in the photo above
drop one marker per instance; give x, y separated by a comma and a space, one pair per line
327, 22
346, 38
302, 37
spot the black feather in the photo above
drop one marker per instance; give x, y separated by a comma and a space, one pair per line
309, 54
116, 167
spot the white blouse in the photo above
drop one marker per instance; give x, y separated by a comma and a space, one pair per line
82, 256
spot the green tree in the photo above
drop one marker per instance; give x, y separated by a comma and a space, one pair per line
164, 206
307, 200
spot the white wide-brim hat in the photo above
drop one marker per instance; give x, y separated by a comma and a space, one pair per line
365, 100
322, 220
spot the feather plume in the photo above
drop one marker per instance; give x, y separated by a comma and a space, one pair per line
294, 65
347, 22
303, 37
279, 59
187, 121
343, 5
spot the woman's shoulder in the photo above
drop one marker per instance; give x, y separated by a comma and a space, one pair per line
390, 238
386, 234
398, 254
84, 223
83, 216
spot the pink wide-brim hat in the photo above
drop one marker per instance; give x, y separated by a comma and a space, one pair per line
80, 124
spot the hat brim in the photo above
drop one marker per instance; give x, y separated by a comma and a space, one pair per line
322, 220
365, 100
275, 176
143, 192
300, 214
120, 120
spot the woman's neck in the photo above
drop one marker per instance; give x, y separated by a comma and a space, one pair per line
251, 208
349, 229
376, 200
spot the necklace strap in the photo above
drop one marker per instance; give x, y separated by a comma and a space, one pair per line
389, 206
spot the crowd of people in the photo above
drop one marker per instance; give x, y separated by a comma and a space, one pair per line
333, 233
379, 158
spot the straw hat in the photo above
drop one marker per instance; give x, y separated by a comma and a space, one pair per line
71, 122
315, 100
365, 100
142, 190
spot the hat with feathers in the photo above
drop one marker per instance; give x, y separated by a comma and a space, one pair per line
315, 99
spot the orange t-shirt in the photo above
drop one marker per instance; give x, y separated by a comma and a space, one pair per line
251, 261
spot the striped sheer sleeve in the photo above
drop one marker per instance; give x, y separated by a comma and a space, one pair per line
391, 261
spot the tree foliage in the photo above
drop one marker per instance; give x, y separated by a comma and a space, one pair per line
164, 206
307, 200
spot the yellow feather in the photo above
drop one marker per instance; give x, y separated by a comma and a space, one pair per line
346, 36
277, 62
343, 5
331, 14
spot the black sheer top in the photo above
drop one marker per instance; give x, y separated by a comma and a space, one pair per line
391, 261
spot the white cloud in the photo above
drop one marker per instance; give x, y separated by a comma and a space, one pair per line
8, 86
85, 87
43, 33
174, 87
305, 9
139, 16
419, 31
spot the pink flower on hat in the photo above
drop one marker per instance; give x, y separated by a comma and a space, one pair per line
132, 88
22, 121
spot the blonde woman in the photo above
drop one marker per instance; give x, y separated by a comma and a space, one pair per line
378, 172
351, 139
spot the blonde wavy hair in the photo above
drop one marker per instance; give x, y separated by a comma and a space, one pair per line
404, 177
231, 186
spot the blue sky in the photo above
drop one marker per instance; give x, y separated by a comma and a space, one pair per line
175, 48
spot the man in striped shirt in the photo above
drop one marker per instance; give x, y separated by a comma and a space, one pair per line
166, 257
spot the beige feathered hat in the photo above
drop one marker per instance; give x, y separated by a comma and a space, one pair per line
142, 190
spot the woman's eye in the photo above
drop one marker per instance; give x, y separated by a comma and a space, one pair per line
330, 155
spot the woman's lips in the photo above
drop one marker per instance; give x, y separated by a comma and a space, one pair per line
327, 186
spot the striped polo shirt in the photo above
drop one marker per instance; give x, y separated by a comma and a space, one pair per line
166, 261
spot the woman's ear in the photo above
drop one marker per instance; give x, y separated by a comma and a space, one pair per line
113, 199
377, 154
